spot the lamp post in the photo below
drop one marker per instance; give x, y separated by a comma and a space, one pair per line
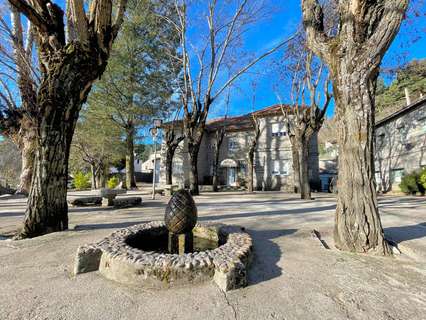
154, 132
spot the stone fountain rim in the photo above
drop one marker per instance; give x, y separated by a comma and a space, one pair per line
112, 256
121, 250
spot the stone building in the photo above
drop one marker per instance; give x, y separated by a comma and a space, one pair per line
400, 144
273, 156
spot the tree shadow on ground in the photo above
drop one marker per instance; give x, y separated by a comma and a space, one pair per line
12, 214
113, 225
13, 204
267, 254
245, 202
405, 233
89, 209
266, 213
411, 201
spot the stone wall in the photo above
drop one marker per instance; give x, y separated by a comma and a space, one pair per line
400, 146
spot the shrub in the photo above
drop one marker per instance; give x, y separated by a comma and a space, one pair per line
412, 183
422, 178
113, 182
82, 181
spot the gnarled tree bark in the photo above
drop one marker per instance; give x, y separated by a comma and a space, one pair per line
219, 136
68, 69
17, 122
366, 30
251, 151
296, 167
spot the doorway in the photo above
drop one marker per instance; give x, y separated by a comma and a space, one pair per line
232, 177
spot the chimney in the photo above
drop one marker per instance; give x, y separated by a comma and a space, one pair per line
407, 96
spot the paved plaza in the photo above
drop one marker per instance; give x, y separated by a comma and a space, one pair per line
292, 275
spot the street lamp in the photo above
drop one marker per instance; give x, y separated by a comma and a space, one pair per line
154, 133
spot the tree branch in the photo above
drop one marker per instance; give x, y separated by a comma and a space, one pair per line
119, 18
31, 14
248, 66
313, 20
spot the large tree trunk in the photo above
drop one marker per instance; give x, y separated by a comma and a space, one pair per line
357, 223
93, 176
67, 72
193, 177
104, 174
215, 182
169, 165
47, 209
296, 169
28, 146
365, 32
251, 171
130, 158
303, 153
216, 169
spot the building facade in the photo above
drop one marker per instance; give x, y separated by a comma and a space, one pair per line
400, 145
273, 168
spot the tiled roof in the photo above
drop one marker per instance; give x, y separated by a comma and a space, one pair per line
231, 123
271, 111
401, 112
239, 123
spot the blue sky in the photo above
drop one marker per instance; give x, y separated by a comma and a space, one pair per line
282, 25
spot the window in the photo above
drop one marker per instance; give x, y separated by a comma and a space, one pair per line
380, 140
232, 144
280, 168
278, 130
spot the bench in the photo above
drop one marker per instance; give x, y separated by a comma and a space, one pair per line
169, 189
158, 191
109, 195
126, 202
85, 201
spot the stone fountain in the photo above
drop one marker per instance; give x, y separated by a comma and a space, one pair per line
178, 251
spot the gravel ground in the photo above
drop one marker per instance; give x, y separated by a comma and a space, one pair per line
292, 275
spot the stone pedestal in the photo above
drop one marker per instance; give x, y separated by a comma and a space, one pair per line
108, 201
180, 243
109, 195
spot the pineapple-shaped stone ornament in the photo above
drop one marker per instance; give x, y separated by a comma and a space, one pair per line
181, 213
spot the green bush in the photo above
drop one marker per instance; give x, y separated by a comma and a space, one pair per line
113, 182
422, 178
82, 181
412, 183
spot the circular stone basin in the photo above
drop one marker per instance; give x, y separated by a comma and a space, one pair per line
138, 256
157, 240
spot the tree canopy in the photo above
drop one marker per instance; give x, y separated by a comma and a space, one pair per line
412, 76
140, 78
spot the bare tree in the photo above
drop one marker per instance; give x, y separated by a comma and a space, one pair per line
19, 80
72, 55
304, 120
172, 140
353, 55
252, 150
203, 84
219, 135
